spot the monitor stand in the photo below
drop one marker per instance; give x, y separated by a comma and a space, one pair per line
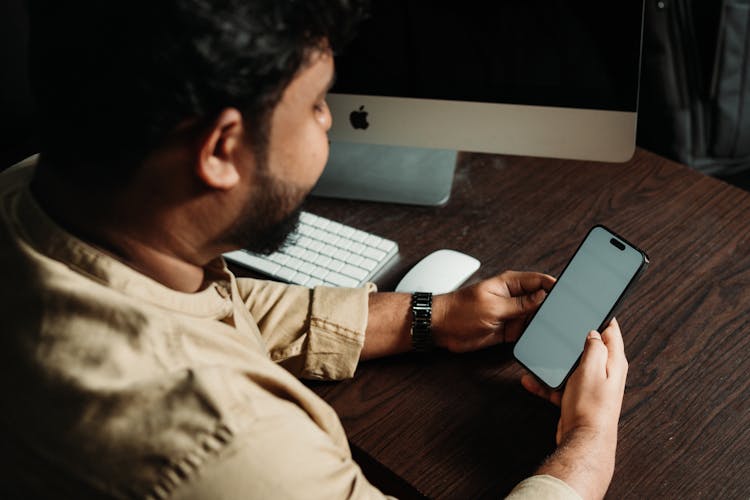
393, 174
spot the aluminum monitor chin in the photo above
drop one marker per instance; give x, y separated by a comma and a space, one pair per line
547, 78
545, 131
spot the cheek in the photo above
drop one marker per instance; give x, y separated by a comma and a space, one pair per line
317, 154
299, 151
302, 158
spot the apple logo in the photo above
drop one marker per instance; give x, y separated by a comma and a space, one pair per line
358, 118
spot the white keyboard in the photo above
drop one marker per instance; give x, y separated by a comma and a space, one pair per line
322, 252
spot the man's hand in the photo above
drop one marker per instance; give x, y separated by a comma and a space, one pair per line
489, 312
468, 319
589, 413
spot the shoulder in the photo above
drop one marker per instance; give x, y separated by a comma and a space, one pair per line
101, 416
132, 401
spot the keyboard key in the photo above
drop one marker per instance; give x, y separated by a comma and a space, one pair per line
386, 246
285, 273
318, 272
358, 235
368, 264
307, 217
294, 263
317, 234
345, 244
304, 241
300, 279
316, 246
372, 240
336, 265
329, 249
330, 240
323, 261
313, 282
319, 222
334, 227
346, 232
342, 255
296, 251
305, 230
373, 253
306, 268
279, 258
341, 280
309, 256
354, 272
357, 247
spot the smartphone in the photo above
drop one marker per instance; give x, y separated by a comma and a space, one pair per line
584, 298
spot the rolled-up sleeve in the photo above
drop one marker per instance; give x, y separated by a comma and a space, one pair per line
314, 333
543, 487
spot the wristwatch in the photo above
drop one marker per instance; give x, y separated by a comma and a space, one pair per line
421, 310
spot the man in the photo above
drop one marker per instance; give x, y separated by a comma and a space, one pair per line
134, 363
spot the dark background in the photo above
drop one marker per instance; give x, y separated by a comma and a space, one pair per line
17, 137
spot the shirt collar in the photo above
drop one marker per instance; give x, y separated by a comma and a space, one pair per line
214, 300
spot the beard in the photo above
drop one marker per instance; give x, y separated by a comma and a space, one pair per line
269, 217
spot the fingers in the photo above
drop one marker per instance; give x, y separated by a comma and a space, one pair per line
526, 283
520, 293
531, 384
522, 305
612, 338
527, 290
595, 354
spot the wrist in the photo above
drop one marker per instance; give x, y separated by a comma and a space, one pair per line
585, 460
440, 307
600, 436
421, 323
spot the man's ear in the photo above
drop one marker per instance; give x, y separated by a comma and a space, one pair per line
220, 147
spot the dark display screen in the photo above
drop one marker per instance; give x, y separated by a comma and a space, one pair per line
581, 54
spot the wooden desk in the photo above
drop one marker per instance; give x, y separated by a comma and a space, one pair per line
460, 426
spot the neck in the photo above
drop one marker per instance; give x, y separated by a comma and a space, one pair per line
125, 225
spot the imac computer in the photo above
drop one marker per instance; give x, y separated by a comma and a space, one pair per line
425, 79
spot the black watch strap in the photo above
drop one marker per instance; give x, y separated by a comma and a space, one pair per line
421, 310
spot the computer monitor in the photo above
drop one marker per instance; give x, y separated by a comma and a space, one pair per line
424, 79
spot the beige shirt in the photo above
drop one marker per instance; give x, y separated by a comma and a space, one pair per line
115, 385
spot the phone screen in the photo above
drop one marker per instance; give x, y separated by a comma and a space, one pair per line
584, 297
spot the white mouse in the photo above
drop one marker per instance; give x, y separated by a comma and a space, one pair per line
440, 272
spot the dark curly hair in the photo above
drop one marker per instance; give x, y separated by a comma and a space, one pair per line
112, 79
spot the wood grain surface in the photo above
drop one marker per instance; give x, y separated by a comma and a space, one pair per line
460, 426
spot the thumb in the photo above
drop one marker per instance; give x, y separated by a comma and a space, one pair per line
594, 358
522, 305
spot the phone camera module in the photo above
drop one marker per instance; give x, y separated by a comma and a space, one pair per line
617, 243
